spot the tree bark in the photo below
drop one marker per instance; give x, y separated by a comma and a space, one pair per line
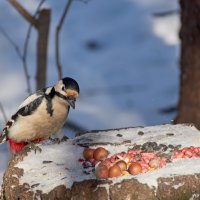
42, 47
57, 173
189, 102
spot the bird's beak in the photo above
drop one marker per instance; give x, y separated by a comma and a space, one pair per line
71, 101
71, 97
71, 93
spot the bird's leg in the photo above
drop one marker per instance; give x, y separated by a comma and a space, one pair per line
58, 134
55, 140
32, 145
57, 137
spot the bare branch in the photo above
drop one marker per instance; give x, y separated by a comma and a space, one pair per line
25, 50
16, 47
166, 13
3, 112
24, 12
23, 57
58, 28
29, 29
84, 1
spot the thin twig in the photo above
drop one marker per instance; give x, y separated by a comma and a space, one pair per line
165, 13
3, 112
24, 12
25, 50
24, 59
29, 29
16, 47
84, 1
58, 28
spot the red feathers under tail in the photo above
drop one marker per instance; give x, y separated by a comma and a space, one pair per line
17, 146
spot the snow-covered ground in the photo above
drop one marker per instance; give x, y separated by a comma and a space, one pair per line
129, 77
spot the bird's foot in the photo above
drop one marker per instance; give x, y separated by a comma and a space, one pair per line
34, 147
64, 139
55, 140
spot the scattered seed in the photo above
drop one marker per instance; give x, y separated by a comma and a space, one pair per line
170, 134
150, 148
162, 145
65, 138
86, 172
47, 161
178, 146
63, 178
165, 148
171, 146
126, 141
157, 148
137, 147
119, 135
154, 144
35, 185
59, 164
140, 133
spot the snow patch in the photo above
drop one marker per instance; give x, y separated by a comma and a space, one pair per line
178, 185
64, 168
194, 196
167, 28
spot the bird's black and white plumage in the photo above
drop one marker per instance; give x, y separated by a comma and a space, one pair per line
41, 114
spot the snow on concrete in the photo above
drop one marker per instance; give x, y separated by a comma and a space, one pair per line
185, 135
66, 169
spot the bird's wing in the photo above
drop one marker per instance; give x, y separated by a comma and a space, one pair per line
34, 96
27, 107
25, 110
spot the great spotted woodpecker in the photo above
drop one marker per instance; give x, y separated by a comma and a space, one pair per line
41, 114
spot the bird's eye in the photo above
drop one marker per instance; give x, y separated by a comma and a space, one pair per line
63, 88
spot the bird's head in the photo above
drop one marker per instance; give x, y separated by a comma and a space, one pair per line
67, 89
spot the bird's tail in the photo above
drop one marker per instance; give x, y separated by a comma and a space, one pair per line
4, 135
3, 138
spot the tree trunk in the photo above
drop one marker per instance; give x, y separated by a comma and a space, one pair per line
42, 47
189, 102
58, 173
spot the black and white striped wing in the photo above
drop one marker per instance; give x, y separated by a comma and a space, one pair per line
34, 96
28, 106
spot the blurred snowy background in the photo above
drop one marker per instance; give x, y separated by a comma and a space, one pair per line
123, 53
